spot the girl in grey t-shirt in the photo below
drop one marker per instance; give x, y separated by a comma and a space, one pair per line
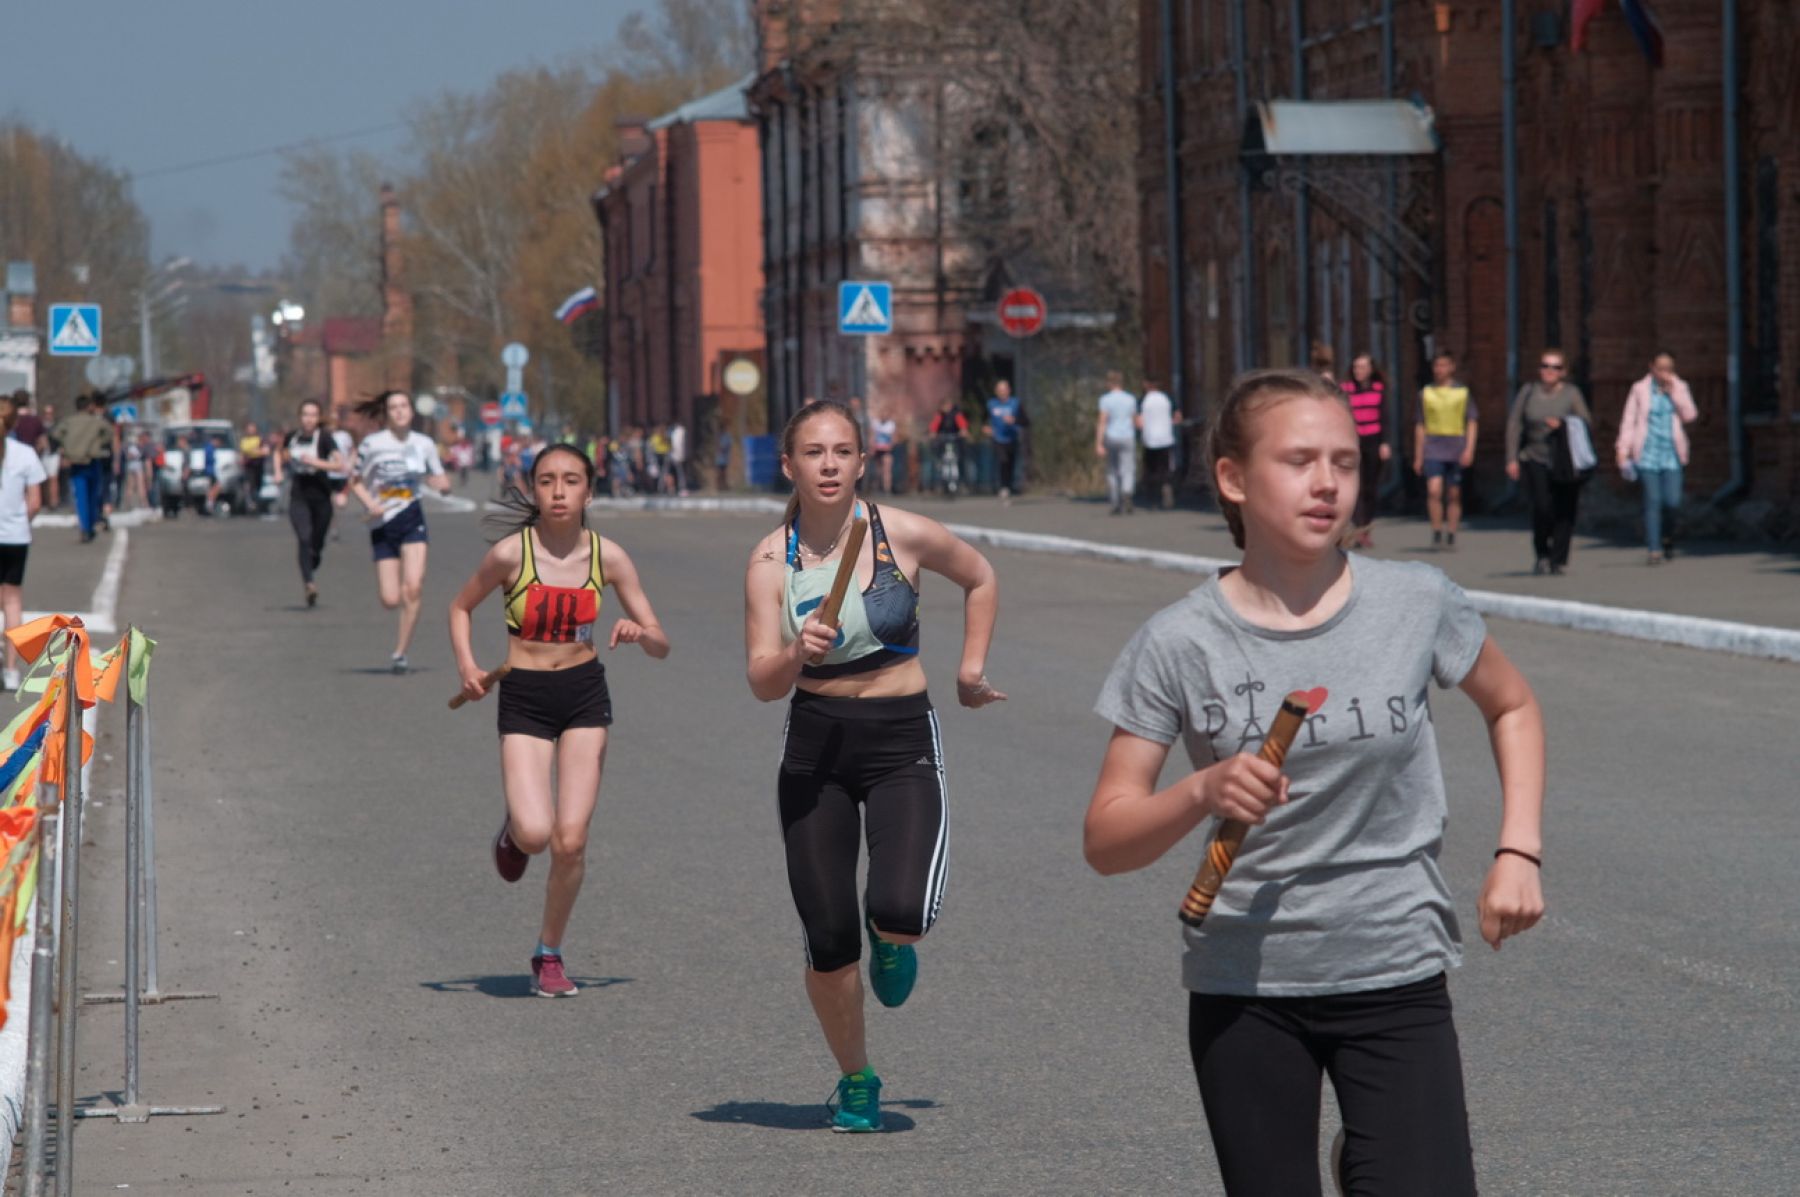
1326, 948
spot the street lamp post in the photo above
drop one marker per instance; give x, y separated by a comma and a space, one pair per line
149, 297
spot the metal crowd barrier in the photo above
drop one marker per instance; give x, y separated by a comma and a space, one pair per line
56, 951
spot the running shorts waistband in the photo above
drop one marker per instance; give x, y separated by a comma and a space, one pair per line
901, 706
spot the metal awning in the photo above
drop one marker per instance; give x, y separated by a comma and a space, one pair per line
1341, 127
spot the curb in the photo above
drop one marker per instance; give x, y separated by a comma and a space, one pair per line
1659, 627
1689, 631
703, 504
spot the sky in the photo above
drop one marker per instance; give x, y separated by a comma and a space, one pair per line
145, 86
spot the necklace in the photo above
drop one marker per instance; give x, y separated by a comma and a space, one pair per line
827, 551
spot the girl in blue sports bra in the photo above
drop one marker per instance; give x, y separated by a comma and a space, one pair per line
554, 706
861, 752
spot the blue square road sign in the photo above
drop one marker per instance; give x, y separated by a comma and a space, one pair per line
865, 308
74, 330
512, 405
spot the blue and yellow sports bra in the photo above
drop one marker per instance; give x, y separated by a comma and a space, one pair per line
554, 614
876, 627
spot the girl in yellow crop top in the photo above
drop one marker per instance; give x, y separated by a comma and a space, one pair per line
554, 707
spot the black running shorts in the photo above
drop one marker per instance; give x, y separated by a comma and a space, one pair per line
547, 702
12, 564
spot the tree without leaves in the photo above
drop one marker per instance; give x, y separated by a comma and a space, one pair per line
495, 200
74, 219
333, 262
1039, 135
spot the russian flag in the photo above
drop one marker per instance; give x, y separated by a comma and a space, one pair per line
578, 305
1644, 27
1638, 17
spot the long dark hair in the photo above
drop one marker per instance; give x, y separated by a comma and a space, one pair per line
799, 420
376, 408
519, 509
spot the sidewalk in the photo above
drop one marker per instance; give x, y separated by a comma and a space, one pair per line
62, 575
1718, 580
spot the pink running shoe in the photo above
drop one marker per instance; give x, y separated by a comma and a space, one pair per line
509, 859
548, 979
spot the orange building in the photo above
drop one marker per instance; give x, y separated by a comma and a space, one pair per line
681, 219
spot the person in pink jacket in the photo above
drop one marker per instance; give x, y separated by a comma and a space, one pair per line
1653, 447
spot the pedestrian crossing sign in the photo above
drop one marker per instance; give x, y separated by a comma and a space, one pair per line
74, 330
865, 309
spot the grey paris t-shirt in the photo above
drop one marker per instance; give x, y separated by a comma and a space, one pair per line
1339, 891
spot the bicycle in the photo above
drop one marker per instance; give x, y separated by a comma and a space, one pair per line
949, 466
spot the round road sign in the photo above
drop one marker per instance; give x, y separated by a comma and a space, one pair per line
1022, 311
742, 377
514, 356
490, 414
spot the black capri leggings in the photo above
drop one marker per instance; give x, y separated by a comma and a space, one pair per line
1393, 1060
309, 510
883, 755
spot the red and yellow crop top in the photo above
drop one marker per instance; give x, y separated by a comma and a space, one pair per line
554, 614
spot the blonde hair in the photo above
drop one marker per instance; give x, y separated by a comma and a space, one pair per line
1232, 432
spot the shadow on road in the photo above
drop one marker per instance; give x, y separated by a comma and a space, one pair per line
775, 1115
387, 670
513, 985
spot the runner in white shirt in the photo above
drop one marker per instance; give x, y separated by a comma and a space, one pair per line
1115, 441
21, 494
392, 468
1157, 418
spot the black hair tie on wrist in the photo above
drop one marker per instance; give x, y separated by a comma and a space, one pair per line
1499, 852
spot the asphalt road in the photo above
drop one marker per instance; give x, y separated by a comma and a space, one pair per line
324, 835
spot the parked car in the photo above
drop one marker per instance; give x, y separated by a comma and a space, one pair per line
202, 436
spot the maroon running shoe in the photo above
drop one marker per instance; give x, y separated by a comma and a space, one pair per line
548, 979
509, 859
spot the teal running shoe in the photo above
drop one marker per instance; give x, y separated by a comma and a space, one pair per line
856, 1106
893, 967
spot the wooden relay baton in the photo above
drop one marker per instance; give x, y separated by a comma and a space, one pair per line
487, 683
1230, 835
846, 571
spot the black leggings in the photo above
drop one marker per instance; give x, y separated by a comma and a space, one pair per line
1370, 470
310, 513
1393, 1060
881, 754
1552, 512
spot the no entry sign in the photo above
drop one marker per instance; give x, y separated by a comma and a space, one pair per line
1022, 311
490, 414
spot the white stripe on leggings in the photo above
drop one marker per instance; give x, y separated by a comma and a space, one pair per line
786, 723
939, 873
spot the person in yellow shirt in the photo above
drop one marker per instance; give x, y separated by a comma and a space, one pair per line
1444, 446
253, 456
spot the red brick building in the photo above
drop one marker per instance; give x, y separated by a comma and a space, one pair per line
680, 215
1622, 238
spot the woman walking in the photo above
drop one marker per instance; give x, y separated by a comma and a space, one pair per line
1653, 445
554, 704
861, 749
21, 480
1366, 390
1540, 409
309, 456
1326, 948
392, 466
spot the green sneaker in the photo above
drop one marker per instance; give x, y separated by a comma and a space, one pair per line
893, 967
856, 1106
